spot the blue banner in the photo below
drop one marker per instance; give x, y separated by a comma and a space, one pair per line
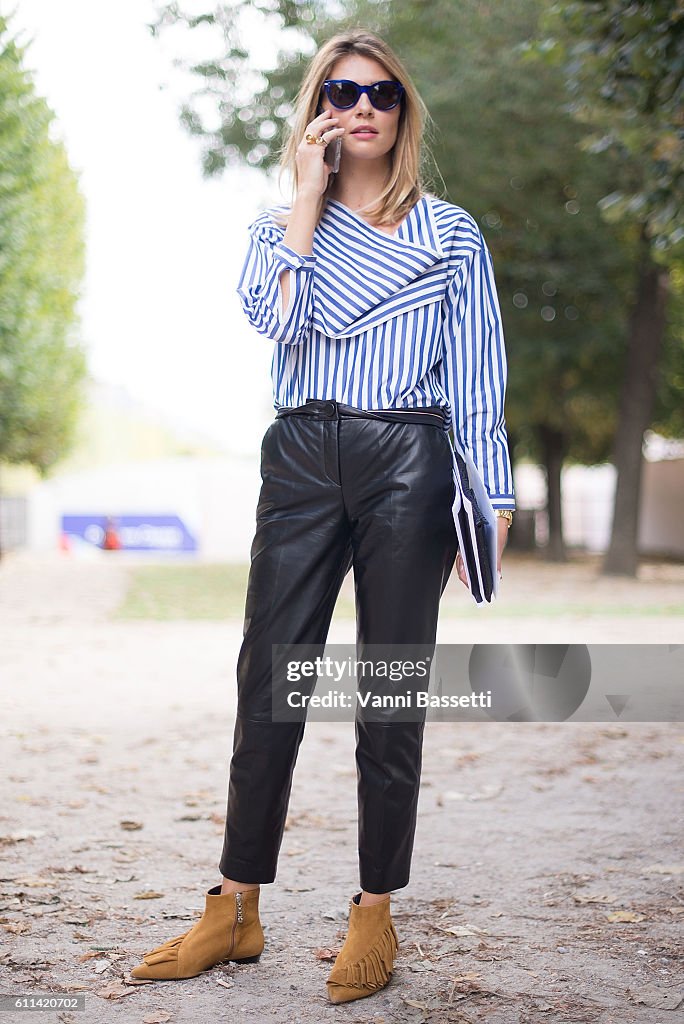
131, 532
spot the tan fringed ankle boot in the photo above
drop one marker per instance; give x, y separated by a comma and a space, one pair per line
229, 929
366, 961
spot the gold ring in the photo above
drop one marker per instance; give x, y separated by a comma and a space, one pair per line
315, 140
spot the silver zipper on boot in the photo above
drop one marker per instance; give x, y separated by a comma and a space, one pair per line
237, 920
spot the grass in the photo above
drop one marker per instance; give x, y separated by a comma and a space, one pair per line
185, 592
214, 591
217, 591
564, 611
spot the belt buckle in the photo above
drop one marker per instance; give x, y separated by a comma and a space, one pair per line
325, 407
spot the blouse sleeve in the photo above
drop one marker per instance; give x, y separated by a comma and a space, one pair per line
475, 369
259, 286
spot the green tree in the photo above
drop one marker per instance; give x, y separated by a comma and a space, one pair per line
625, 76
42, 366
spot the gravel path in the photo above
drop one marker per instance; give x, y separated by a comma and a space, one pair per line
547, 874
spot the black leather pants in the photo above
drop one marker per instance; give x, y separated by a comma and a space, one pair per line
340, 489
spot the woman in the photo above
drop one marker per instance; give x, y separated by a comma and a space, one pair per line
381, 301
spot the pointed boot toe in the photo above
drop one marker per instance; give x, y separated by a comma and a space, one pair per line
365, 963
229, 929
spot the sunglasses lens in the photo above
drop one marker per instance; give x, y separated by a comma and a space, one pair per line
343, 94
386, 95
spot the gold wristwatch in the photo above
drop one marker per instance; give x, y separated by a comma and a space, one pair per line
507, 514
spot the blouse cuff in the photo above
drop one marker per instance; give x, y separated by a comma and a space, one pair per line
293, 260
503, 501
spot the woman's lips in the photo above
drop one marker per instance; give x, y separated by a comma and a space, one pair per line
365, 133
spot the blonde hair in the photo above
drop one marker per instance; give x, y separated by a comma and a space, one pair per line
406, 182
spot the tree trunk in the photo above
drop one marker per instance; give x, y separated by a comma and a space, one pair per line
553, 446
647, 326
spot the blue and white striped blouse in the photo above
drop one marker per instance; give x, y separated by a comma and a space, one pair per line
382, 321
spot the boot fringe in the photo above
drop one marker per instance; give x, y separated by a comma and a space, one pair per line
373, 970
166, 952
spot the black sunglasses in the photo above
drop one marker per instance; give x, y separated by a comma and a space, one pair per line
343, 93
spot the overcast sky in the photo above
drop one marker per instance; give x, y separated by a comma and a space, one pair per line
164, 246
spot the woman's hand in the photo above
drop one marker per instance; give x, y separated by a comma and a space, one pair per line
501, 540
312, 170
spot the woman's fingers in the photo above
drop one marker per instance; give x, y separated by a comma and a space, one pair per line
330, 134
323, 115
323, 119
311, 166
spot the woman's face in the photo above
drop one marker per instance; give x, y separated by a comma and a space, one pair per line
384, 124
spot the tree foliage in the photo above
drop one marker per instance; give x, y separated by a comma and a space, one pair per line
625, 72
42, 366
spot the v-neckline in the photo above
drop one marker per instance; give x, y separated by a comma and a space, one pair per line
395, 233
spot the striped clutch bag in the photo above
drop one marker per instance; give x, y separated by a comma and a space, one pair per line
475, 523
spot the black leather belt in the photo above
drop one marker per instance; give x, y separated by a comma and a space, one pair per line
328, 409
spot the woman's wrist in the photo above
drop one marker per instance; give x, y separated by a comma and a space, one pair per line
301, 224
507, 514
307, 194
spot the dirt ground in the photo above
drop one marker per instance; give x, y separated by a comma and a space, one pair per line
546, 882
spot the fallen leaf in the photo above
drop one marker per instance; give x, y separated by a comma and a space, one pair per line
461, 929
325, 953
75, 867
414, 1002
625, 915
20, 837
421, 965
665, 869
149, 894
131, 826
114, 990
